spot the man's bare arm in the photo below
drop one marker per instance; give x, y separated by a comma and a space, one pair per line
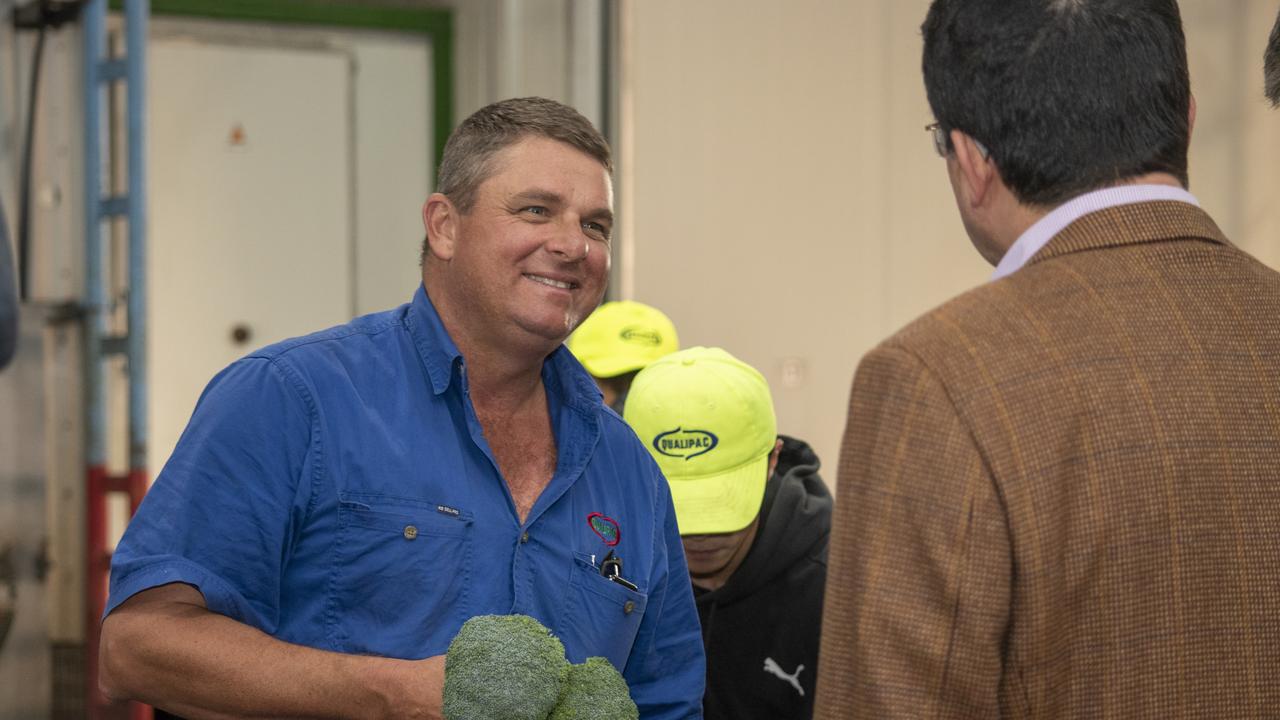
165, 648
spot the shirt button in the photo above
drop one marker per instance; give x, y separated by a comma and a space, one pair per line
410, 532
628, 607
524, 536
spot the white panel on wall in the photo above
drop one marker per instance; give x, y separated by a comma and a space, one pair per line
394, 164
250, 215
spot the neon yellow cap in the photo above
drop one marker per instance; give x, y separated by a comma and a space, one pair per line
621, 337
708, 420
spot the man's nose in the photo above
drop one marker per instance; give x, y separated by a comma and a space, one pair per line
568, 241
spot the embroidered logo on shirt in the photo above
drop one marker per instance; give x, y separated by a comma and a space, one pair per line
687, 444
446, 510
772, 667
606, 527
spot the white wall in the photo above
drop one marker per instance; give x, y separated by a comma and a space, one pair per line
515, 48
786, 203
781, 198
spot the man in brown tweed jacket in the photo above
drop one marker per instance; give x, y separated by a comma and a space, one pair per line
1059, 493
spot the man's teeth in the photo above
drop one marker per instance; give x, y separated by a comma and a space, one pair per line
549, 281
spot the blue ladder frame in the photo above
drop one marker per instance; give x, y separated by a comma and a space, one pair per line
100, 72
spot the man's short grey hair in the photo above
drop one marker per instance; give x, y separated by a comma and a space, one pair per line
468, 156
1272, 66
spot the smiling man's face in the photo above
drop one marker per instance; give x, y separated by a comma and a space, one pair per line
532, 254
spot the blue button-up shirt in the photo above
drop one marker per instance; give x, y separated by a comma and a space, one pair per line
336, 491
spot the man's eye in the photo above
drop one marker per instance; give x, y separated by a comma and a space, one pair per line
596, 228
535, 210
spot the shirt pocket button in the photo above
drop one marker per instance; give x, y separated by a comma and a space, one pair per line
410, 532
629, 606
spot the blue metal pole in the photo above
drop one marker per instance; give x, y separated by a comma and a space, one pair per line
94, 21
136, 12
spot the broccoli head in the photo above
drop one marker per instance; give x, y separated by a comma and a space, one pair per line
595, 691
503, 667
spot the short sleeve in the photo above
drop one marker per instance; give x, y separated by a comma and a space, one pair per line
223, 513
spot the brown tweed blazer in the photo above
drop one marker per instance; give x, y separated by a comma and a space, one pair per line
1059, 493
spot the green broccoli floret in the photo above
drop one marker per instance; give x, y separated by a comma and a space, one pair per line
595, 691
503, 667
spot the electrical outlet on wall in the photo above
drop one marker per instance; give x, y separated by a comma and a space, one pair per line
795, 371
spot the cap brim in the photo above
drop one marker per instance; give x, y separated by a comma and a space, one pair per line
614, 365
723, 503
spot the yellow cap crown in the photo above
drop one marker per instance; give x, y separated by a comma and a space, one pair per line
621, 337
707, 419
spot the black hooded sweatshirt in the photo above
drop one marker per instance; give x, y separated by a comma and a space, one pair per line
760, 628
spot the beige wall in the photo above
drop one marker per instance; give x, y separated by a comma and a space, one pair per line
1235, 150
781, 199
513, 48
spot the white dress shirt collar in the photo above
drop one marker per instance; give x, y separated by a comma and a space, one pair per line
1039, 234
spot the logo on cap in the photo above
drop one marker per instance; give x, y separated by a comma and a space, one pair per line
640, 335
687, 444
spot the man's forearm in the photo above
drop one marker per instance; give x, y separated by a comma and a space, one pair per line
165, 648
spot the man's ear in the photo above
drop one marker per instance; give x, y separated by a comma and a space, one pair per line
977, 171
440, 218
1191, 116
773, 457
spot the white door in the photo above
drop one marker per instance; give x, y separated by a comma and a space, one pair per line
287, 171
250, 211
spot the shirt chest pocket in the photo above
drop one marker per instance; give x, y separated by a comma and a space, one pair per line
401, 576
600, 615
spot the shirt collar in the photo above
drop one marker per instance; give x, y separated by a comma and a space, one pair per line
436, 349
1044, 229
562, 374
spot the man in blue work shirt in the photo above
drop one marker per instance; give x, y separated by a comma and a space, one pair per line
341, 503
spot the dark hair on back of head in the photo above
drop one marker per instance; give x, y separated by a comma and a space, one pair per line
1068, 95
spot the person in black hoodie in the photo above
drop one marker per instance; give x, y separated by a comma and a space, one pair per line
755, 518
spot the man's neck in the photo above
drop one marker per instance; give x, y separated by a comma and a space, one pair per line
499, 382
503, 376
1021, 217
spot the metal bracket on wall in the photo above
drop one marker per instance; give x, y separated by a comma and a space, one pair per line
46, 14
